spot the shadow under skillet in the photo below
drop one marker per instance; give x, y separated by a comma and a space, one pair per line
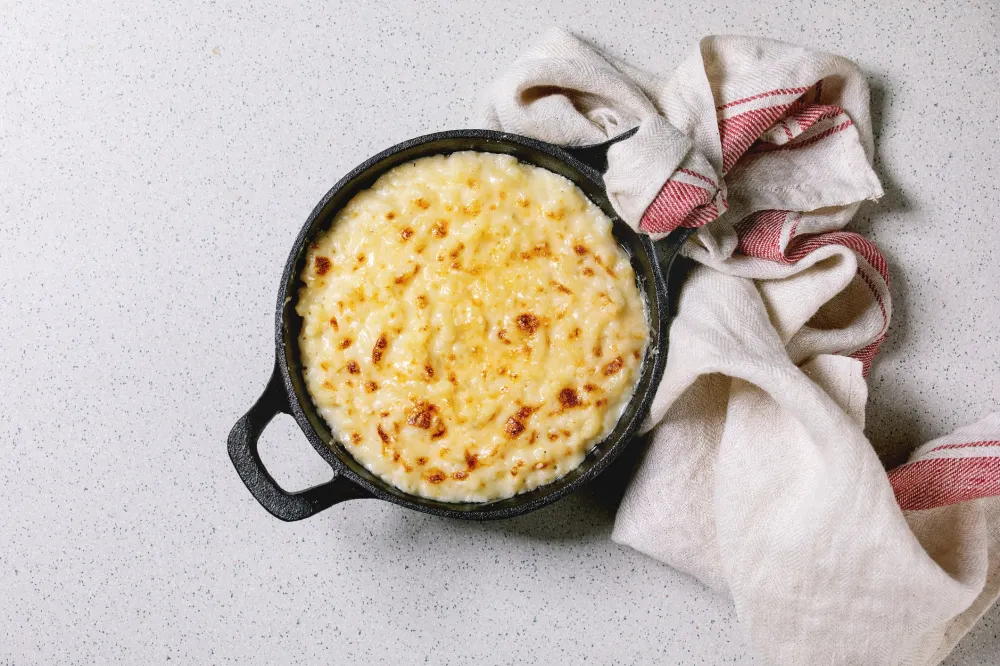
586, 513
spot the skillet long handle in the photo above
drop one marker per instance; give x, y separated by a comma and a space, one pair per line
667, 249
596, 156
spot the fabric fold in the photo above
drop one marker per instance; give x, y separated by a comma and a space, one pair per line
758, 479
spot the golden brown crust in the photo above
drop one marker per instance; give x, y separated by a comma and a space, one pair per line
528, 323
614, 366
422, 415
568, 398
379, 349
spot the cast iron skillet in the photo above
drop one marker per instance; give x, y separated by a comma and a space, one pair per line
286, 391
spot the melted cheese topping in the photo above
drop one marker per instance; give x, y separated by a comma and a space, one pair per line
471, 329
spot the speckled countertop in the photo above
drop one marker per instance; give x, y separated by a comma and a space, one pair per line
156, 162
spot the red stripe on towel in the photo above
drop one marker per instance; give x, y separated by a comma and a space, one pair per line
738, 133
927, 484
769, 93
674, 204
760, 236
966, 445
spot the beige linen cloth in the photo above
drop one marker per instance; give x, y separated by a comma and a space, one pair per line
759, 480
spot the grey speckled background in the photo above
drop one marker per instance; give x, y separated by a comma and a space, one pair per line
156, 161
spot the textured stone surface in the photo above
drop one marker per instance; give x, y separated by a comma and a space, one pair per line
156, 162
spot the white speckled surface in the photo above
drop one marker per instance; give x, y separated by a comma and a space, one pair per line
156, 162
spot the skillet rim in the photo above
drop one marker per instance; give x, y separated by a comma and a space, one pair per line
654, 291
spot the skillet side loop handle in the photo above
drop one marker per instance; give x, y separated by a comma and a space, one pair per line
243, 452
672, 272
596, 156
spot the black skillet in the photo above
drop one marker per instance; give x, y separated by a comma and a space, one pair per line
286, 392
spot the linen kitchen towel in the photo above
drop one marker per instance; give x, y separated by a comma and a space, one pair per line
758, 479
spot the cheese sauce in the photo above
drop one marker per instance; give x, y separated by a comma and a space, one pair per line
471, 329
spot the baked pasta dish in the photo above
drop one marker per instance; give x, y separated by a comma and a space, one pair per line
470, 327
